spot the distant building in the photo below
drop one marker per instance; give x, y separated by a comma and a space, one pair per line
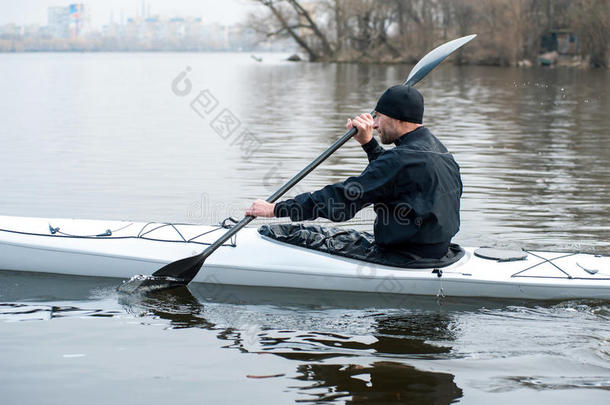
58, 21
565, 42
11, 31
141, 33
76, 14
66, 22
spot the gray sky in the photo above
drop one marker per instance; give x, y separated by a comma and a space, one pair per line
24, 12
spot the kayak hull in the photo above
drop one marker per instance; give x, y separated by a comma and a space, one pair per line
85, 248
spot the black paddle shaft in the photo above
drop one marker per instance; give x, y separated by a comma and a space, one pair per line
184, 270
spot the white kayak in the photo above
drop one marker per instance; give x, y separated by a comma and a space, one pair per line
124, 249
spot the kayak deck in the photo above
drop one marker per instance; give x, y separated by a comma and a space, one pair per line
123, 249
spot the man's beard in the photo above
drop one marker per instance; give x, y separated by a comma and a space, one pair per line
386, 138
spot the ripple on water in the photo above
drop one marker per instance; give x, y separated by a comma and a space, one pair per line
17, 312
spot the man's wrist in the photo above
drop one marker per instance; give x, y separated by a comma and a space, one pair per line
370, 145
365, 141
278, 210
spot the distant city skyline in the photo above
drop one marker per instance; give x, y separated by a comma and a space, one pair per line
227, 12
73, 26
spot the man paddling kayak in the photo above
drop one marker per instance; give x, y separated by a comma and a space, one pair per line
415, 188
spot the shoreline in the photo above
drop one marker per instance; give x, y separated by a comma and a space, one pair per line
567, 62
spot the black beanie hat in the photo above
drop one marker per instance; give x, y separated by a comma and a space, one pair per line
403, 103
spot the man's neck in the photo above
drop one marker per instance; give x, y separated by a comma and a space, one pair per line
406, 127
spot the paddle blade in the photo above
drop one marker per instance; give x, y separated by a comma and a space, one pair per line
174, 274
183, 269
433, 58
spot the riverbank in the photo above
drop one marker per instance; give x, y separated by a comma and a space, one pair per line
562, 61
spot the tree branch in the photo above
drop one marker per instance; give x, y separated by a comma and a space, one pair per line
303, 13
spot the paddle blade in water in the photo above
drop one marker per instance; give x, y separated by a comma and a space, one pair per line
174, 274
146, 284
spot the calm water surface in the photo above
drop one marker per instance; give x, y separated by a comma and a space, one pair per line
108, 136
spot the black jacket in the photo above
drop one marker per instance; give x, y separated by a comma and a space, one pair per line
415, 188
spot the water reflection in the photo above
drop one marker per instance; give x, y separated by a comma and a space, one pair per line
44, 287
401, 336
178, 306
404, 332
380, 382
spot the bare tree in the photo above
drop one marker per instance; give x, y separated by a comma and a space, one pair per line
290, 18
339, 9
591, 21
302, 13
